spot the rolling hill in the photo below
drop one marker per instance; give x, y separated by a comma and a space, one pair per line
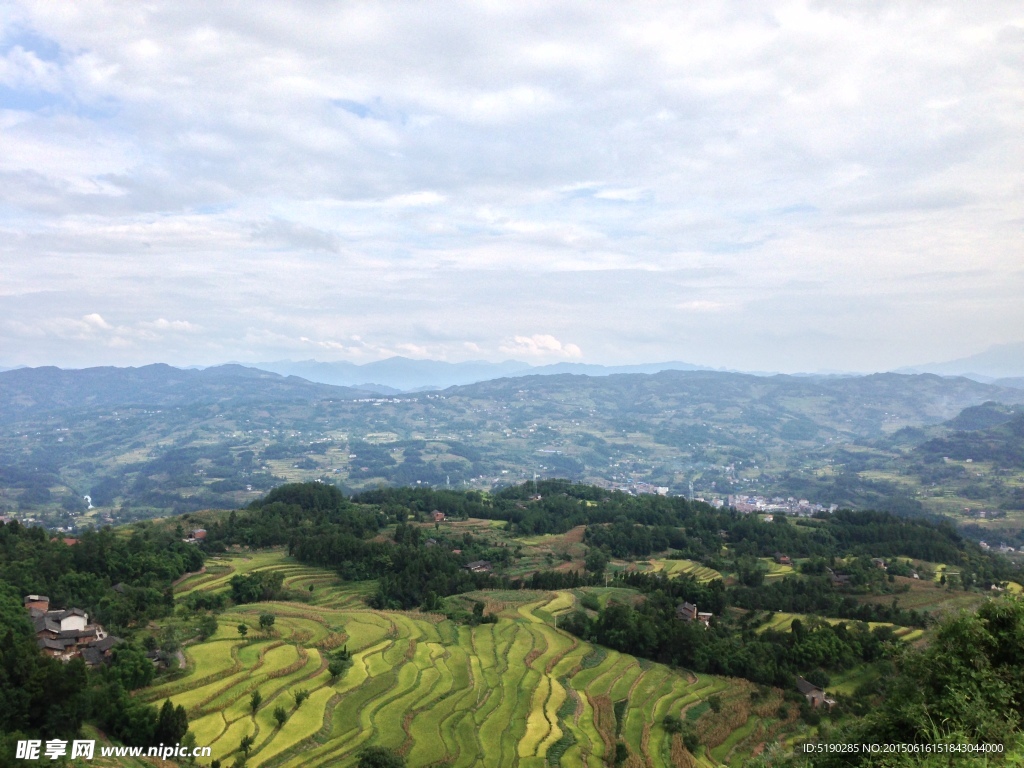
144, 441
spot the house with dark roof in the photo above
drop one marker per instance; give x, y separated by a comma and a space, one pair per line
64, 634
686, 612
100, 651
815, 696
37, 602
106, 644
479, 566
838, 579
92, 656
56, 648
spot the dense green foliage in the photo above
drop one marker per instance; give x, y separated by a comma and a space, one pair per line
37, 694
639, 525
652, 630
41, 697
215, 438
379, 757
965, 687
82, 575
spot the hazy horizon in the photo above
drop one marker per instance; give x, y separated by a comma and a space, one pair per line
797, 187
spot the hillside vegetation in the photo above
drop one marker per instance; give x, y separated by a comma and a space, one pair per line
147, 441
514, 692
541, 625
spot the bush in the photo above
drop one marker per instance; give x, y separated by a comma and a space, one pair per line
379, 757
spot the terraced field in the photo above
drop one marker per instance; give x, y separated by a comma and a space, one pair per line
519, 692
781, 622
776, 570
688, 567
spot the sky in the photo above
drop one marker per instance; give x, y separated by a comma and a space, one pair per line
791, 186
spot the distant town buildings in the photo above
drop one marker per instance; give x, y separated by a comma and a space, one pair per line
762, 504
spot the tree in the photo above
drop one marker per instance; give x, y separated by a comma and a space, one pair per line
336, 668
621, 753
595, 561
266, 621
379, 757
255, 700
280, 715
171, 725
131, 667
243, 630
300, 696
207, 627
246, 744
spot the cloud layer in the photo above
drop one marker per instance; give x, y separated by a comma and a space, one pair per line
799, 186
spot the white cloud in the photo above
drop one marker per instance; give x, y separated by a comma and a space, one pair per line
367, 162
96, 321
540, 345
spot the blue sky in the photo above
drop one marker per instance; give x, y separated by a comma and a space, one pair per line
804, 186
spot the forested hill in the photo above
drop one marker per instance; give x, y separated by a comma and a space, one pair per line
320, 526
787, 407
31, 392
1002, 443
143, 442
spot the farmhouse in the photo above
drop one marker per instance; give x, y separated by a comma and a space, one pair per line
838, 579
437, 516
689, 612
195, 536
782, 559
815, 696
67, 634
686, 612
478, 566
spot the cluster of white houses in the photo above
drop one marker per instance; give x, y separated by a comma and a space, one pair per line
67, 634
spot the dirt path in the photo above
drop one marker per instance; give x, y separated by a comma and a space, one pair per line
184, 576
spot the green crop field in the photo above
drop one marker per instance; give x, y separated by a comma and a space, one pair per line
776, 570
688, 567
781, 622
519, 692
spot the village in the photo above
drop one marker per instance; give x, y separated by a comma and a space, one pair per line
68, 634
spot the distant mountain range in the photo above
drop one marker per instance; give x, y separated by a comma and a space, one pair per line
1002, 364
142, 441
29, 392
402, 374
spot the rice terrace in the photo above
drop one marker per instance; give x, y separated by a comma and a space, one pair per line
516, 692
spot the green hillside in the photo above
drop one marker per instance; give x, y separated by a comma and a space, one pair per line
516, 692
145, 442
